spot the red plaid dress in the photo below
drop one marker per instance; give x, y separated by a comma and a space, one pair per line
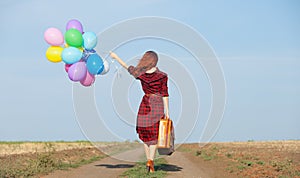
151, 108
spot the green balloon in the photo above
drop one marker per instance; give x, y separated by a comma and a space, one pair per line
74, 38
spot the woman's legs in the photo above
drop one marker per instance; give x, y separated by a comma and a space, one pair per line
152, 149
147, 151
150, 154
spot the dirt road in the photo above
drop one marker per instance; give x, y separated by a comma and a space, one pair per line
179, 165
186, 168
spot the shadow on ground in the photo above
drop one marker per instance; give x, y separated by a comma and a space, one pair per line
116, 165
168, 167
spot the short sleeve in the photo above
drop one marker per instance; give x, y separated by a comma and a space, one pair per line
131, 70
164, 87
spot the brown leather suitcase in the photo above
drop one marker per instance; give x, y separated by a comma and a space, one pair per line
166, 137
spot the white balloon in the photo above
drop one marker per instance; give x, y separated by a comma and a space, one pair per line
106, 67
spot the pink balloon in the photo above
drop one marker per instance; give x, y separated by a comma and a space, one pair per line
54, 37
74, 24
67, 66
77, 71
88, 80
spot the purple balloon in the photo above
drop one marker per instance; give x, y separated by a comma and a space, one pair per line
74, 24
77, 71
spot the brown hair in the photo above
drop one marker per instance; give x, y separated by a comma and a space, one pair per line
148, 61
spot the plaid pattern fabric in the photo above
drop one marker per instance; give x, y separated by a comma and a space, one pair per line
151, 108
149, 134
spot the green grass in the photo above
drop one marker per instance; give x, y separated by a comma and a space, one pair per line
230, 169
228, 155
241, 167
207, 154
43, 163
260, 162
247, 162
139, 170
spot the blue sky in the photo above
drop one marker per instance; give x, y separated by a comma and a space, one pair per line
257, 43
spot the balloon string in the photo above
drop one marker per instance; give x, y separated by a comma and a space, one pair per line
106, 54
116, 68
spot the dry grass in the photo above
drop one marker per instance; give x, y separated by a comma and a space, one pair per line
251, 159
9, 148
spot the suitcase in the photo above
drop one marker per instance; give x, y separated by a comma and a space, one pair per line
166, 137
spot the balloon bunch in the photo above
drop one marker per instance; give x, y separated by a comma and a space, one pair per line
82, 63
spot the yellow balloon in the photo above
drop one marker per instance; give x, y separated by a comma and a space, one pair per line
53, 53
66, 45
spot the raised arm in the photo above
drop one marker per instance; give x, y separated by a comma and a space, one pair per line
117, 58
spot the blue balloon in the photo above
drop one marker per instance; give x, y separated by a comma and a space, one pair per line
89, 40
87, 53
71, 55
94, 64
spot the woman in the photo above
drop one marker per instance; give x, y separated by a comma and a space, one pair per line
155, 102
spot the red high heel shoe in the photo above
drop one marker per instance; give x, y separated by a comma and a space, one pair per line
150, 166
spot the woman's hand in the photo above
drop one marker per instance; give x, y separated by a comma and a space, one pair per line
113, 55
117, 58
167, 116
